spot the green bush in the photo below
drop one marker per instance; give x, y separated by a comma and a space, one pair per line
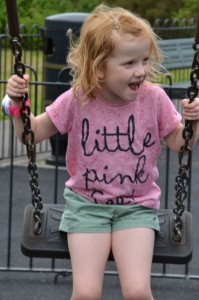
35, 11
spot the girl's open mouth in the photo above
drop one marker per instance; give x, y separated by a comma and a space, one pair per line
134, 86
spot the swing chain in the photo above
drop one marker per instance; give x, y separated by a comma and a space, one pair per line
182, 177
28, 137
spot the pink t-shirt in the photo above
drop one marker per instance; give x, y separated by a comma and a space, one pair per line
112, 150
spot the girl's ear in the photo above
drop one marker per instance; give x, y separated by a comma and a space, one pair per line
101, 73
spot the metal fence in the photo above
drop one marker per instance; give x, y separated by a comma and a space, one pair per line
15, 193
174, 29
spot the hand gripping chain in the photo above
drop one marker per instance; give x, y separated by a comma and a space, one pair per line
27, 134
28, 140
182, 177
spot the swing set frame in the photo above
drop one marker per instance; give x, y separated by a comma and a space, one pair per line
40, 235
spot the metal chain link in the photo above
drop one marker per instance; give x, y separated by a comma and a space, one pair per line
182, 177
28, 137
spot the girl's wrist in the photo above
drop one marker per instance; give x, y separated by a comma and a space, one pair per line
14, 103
12, 108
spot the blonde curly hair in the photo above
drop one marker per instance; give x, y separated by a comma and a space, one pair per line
89, 54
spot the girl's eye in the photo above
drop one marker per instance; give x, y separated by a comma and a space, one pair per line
129, 63
145, 61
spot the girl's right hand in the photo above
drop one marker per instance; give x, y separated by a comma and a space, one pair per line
17, 87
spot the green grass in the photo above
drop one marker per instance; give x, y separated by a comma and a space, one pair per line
178, 75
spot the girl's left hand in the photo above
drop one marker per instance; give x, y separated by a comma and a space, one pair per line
191, 110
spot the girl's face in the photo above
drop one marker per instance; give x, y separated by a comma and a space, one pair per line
126, 69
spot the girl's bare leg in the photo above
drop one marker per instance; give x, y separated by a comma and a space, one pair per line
133, 252
89, 253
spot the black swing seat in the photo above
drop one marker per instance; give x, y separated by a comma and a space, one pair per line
52, 243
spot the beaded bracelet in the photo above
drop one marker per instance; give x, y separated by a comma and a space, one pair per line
11, 111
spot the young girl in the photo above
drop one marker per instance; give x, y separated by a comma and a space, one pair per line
114, 118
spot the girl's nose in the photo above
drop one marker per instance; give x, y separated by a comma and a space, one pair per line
140, 71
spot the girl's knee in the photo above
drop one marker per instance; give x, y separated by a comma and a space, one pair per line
137, 293
86, 293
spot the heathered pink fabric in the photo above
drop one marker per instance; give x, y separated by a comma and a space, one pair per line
112, 150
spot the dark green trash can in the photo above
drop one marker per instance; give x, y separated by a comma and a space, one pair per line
56, 45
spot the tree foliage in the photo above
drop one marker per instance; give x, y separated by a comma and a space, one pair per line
35, 11
189, 9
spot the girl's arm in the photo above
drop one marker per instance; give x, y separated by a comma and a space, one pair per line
174, 140
41, 125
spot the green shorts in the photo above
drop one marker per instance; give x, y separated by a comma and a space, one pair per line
83, 216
